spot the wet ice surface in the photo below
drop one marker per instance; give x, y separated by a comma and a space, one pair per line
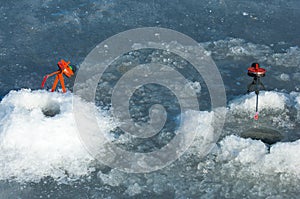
42, 157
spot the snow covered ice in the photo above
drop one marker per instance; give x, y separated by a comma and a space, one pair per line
34, 146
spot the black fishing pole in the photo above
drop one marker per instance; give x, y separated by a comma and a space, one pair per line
256, 85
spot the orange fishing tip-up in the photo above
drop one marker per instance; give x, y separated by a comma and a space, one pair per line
64, 68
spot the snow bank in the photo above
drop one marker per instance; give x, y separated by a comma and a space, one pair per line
33, 146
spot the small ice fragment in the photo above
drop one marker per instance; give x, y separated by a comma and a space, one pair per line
284, 77
134, 189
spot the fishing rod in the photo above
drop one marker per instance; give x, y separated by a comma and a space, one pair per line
256, 85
